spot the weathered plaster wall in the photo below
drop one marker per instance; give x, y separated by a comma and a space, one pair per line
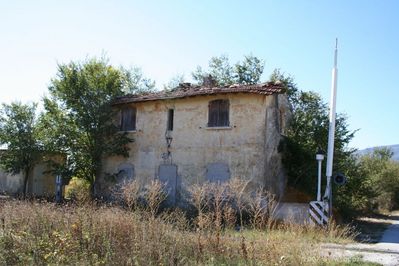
277, 116
245, 146
10, 184
40, 182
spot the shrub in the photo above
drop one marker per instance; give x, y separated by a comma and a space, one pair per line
154, 195
78, 190
383, 175
129, 193
227, 202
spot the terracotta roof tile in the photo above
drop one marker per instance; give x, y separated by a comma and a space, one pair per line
187, 90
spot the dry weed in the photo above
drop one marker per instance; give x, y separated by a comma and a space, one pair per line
237, 191
41, 233
129, 192
154, 196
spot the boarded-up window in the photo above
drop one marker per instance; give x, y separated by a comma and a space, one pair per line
168, 177
128, 119
217, 172
218, 113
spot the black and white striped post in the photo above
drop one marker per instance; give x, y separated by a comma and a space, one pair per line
318, 213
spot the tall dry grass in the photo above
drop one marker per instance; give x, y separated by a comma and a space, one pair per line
38, 233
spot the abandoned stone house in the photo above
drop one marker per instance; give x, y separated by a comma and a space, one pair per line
195, 134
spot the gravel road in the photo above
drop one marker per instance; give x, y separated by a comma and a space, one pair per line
385, 252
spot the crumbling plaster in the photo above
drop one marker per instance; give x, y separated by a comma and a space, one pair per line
248, 146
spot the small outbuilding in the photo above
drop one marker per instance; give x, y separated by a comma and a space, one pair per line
41, 182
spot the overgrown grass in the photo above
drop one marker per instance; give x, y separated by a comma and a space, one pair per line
38, 233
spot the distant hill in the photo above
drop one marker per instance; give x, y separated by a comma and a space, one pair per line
394, 149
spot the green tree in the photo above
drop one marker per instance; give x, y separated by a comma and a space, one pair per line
19, 131
135, 82
382, 174
308, 131
287, 81
220, 70
373, 180
79, 115
355, 196
248, 71
174, 82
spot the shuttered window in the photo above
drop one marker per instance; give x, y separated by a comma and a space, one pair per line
218, 114
128, 119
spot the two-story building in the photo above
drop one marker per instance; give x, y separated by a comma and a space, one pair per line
195, 134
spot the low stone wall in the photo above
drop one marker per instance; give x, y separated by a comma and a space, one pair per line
293, 212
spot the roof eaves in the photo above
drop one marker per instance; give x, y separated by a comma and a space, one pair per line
191, 91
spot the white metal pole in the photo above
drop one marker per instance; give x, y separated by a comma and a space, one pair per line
331, 131
319, 181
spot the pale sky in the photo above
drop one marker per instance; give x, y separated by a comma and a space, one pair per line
166, 38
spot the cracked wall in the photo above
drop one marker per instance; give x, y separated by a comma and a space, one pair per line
248, 146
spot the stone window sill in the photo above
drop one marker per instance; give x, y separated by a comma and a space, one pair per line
127, 131
219, 128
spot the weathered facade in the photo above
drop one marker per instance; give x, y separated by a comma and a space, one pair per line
197, 134
40, 183
41, 180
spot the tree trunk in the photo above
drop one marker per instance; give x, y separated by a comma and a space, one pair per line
26, 177
97, 173
92, 189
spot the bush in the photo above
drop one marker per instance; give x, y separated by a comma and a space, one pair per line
78, 190
382, 174
231, 205
129, 193
373, 185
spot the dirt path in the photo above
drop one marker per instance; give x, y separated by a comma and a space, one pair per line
385, 252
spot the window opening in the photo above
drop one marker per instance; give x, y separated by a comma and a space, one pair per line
171, 113
128, 119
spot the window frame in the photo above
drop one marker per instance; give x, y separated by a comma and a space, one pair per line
123, 127
219, 113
